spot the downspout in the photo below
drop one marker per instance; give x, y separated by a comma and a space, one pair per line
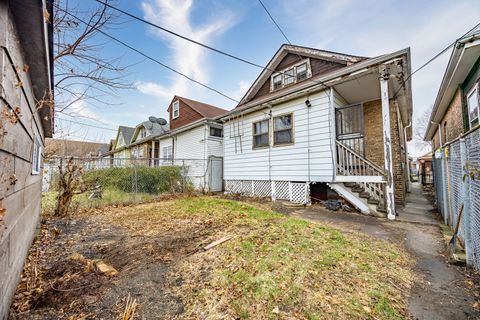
406, 154
309, 105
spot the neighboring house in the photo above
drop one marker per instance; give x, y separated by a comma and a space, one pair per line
71, 148
425, 171
315, 117
82, 150
195, 141
120, 151
26, 118
456, 108
145, 142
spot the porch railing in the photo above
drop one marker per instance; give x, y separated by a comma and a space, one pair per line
353, 167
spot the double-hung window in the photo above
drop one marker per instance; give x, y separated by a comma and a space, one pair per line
176, 109
283, 129
216, 132
473, 98
277, 81
289, 77
301, 71
260, 134
167, 153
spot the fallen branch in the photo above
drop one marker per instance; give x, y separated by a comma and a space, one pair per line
217, 242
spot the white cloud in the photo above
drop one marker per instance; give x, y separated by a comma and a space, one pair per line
188, 58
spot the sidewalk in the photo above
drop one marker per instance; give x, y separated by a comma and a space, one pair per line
418, 208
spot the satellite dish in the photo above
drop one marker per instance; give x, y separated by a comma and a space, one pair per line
161, 121
152, 119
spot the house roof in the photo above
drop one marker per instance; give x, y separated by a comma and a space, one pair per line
347, 73
127, 133
284, 50
204, 109
464, 55
72, 148
154, 130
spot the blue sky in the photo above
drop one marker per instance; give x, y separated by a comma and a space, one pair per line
242, 28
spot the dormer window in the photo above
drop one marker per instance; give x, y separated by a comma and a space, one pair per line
301, 71
277, 81
291, 75
288, 77
143, 133
176, 110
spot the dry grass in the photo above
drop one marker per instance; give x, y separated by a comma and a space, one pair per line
275, 266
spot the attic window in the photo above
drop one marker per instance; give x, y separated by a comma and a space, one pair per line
176, 110
288, 77
291, 75
277, 81
301, 72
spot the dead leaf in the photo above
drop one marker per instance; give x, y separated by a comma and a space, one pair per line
367, 309
19, 84
26, 67
106, 269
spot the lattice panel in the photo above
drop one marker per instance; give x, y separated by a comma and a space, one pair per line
299, 193
262, 188
247, 187
281, 190
233, 186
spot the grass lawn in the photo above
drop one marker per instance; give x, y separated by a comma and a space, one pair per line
277, 266
274, 267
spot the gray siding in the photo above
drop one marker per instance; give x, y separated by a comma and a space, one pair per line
20, 198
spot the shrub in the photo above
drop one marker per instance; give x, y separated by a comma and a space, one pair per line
139, 179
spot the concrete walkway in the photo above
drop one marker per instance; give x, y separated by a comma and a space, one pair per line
418, 208
442, 292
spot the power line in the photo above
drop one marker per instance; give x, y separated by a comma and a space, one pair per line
181, 36
275, 22
154, 60
434, 58
85, 124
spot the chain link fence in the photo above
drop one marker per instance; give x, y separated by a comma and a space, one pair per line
112, 181
455, 186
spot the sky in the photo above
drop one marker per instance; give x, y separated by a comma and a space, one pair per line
242, 28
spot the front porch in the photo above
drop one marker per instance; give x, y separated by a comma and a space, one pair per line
372, 120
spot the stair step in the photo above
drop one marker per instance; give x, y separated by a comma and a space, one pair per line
382, 208
351, 184
364, 195
373, 201
358, 189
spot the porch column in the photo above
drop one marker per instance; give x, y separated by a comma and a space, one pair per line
387, 143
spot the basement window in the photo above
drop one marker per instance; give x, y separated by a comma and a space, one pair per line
260, 134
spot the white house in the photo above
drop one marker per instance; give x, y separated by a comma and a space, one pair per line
316, 117
195, 142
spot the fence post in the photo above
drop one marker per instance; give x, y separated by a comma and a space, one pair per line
444, 188
466, 206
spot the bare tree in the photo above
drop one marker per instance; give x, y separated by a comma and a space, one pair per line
83, 71
419, 129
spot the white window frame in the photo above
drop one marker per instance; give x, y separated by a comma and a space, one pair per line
167, 153
255, 134
175, 109
473, 91
36, 156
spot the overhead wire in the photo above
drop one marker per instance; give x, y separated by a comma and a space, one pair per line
154, 60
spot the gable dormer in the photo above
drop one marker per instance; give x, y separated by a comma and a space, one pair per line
292, 65
181, 114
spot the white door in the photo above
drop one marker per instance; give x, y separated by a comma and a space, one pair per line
216, 174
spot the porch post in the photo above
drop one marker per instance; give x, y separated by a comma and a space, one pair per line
387, 143
153, 154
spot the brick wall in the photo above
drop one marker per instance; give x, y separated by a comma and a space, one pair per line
187, 115
453, 119
374, 144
